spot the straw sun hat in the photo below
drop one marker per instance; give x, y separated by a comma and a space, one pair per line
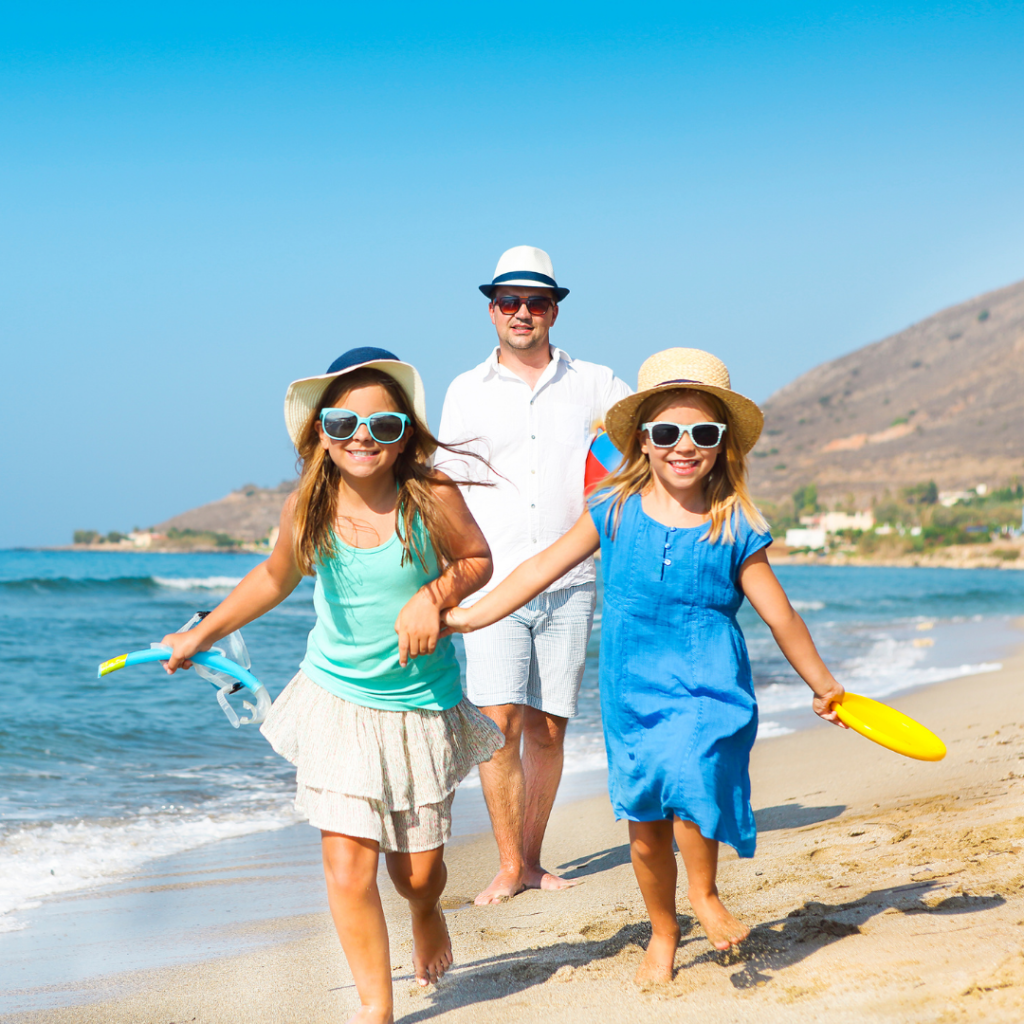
685, 368
304, 395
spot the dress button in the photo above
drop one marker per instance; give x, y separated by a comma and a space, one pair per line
671, 529
668, 561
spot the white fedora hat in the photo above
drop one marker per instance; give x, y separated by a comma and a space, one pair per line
304, 395
526, 266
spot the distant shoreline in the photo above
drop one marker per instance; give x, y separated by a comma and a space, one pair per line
778, 555
113, 549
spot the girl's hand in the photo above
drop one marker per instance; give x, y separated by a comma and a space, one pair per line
822, 704
456, 620
183, 646
418, 627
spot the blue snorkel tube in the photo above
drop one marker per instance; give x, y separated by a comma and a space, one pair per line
216, 664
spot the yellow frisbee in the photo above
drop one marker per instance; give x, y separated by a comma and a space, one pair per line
888, 727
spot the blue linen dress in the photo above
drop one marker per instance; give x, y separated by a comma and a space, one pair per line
677, 697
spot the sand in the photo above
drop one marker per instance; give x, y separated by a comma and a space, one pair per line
883, 889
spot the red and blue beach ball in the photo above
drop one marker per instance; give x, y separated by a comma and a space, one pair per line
602, 458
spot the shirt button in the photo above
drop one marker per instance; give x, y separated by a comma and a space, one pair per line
533, 506
533, 471
533, 437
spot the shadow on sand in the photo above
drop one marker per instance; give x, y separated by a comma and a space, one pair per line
772, 946
775, 945
771, 819
594, 863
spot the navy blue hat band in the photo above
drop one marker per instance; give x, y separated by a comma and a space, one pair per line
525, 275
357, 356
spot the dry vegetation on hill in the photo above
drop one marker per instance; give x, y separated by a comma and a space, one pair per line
942, 400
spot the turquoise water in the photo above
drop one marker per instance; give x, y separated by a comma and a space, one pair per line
100, 776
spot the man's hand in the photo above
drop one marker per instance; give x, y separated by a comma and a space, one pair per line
418, 627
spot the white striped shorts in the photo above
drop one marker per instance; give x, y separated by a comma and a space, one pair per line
535, 656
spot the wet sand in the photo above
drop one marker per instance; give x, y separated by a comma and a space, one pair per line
883, 889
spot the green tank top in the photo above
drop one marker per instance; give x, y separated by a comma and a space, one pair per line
352, 650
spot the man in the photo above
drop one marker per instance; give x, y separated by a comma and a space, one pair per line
529, 409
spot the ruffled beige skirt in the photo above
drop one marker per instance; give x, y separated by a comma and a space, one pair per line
383, 775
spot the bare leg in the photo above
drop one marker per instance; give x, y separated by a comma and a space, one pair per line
350, 868
543, 740
654, 863
502, 782
420, 878
700, 857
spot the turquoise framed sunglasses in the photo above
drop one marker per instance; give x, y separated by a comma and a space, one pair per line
384, 427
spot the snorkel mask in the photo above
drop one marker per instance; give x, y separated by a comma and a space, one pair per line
225, 667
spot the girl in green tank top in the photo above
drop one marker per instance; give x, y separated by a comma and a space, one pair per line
375, 720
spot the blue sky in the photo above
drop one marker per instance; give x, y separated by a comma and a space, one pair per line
202, 203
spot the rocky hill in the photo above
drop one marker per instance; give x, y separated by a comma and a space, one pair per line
248, 514
942, 400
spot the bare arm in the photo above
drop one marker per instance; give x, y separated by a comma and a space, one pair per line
532, 577
419, 623
765, 593
263, 588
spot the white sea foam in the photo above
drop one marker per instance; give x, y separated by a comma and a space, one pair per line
808, 606
889, 666
767, 730
49, 858
198, 582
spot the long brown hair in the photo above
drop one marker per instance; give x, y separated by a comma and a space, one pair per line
725, 487
316, 505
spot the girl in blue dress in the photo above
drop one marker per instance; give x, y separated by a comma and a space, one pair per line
681, 545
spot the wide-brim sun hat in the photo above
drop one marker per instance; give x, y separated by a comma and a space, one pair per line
696, 370
304, 396
524, 266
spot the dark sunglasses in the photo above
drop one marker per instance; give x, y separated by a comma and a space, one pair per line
384, 427
536, 305
667, 435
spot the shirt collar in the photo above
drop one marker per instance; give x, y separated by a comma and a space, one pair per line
490, 365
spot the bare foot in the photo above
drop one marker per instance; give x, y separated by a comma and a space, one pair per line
372, 1015
538, 878
721, 928
431, 946
657, 966
504, 885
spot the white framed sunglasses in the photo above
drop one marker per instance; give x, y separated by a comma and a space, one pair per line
667, 435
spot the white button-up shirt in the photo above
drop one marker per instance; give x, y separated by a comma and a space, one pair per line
536, 440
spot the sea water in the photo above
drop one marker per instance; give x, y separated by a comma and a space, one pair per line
99, 777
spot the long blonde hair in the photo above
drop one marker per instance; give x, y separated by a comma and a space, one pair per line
316, 505
725, 487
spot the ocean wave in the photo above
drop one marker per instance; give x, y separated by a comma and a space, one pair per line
47, 859
808, 606
198, 582
891, 666
124, 584
65, 584
767, 730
